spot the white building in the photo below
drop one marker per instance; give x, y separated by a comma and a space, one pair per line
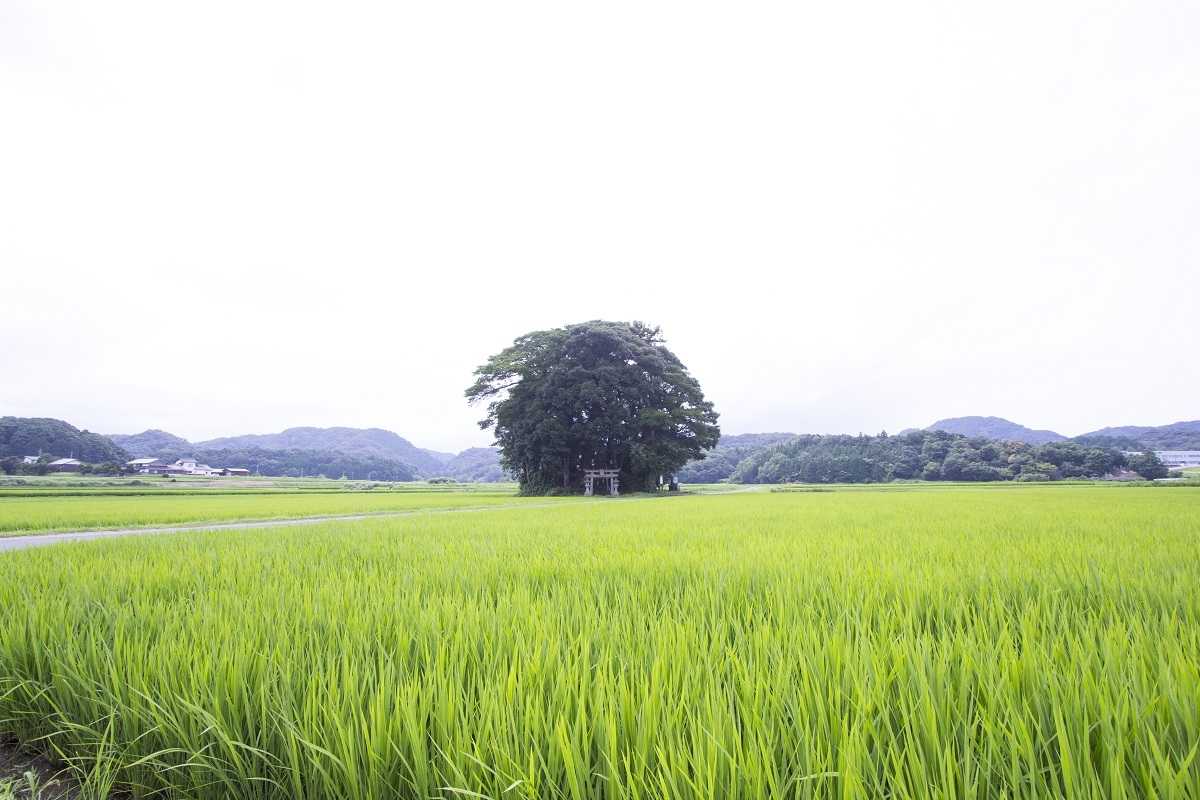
189, 466
1179, 458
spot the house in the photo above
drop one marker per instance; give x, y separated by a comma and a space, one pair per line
189, 466
236, 472
140, 464
163, 469
30, 459
65, 465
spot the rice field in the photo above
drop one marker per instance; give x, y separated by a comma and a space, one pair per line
41, 512
1038, 642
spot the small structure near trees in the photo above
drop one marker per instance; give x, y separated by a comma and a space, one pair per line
611, 475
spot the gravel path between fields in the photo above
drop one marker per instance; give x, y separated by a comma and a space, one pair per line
42, 539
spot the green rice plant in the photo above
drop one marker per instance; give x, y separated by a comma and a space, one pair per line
1036, 642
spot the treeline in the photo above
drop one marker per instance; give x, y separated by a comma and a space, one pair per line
31, 436
923, 455
720, 462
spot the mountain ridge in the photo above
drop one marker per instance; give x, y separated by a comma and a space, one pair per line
1183, 435
376, 446
376, 442
995, 428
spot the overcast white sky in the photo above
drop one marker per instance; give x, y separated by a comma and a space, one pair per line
235, 217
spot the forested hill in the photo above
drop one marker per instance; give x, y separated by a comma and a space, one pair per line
1176, 436
298, 462
995, 428
373, 442
31, 436
151, 443
925, 455
720, 462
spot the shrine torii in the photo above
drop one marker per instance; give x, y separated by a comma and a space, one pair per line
590, 476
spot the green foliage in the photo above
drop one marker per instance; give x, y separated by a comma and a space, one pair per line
1009, 642
927, 455
1148, 465
28, 436
720, 462
605, 395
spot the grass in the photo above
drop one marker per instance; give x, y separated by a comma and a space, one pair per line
1036, 642
35, 514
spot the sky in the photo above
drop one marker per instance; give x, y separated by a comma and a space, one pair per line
235, 217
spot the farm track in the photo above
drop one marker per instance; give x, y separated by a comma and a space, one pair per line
8, 543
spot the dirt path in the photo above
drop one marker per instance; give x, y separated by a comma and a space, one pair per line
43, 539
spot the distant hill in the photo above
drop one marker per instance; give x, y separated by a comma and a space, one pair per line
358, 453
374, 442
476, 464
1176, 436
151, 443
298, 462
995, 428
31, 436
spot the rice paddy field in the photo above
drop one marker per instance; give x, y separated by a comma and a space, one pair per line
1030, 642
39, 511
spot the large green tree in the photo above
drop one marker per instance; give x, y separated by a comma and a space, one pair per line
597, 395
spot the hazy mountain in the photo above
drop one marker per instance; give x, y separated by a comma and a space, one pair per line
374, 442
995, 428
151, 443
31, 436
476, 464
1176, 436
745, 440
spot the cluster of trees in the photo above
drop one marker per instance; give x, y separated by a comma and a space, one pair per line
933, 456
30, 436
720, 462
603, 395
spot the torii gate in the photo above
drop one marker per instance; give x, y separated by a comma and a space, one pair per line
590, 476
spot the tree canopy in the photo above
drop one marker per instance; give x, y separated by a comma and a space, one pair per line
31, 436
595, 395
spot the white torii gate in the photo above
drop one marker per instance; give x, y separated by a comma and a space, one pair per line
590, 476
